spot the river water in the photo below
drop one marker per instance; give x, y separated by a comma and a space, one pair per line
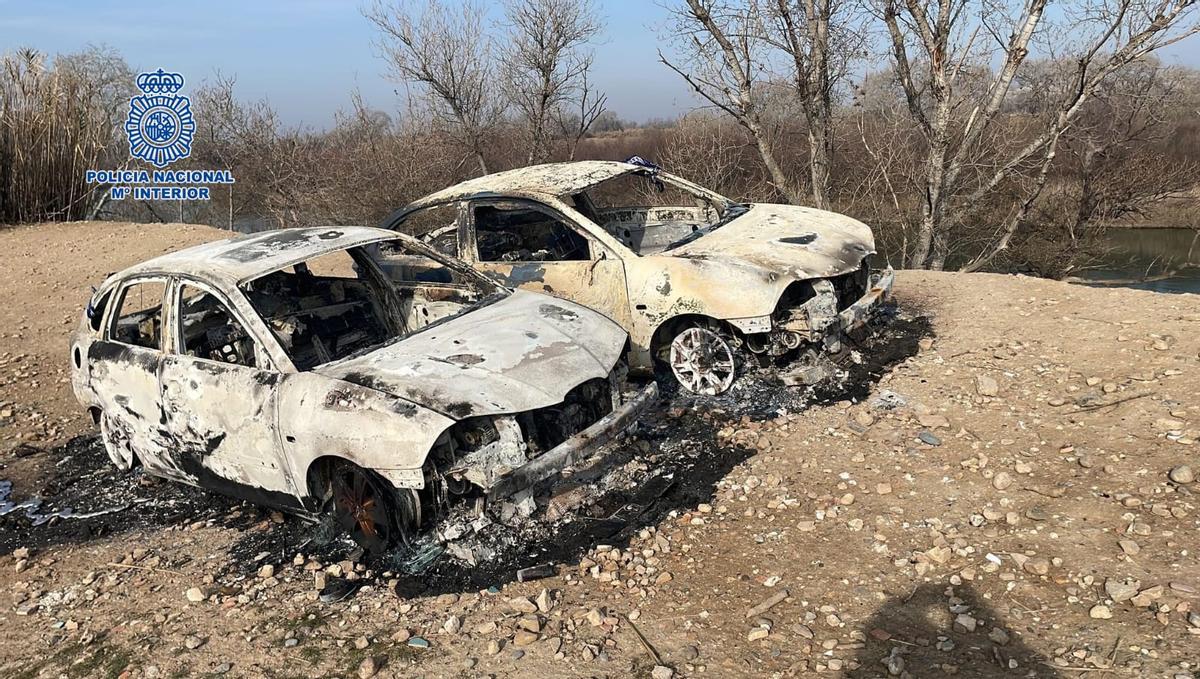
1136, 254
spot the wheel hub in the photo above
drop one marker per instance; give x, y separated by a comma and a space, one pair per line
702, 361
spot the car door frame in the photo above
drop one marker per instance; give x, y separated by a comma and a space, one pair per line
106, 347
601, 253
267, 381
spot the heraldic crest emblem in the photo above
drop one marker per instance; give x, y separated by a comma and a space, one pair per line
160, 124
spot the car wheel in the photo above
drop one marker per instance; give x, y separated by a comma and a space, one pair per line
375, 516
117, 443
702, 361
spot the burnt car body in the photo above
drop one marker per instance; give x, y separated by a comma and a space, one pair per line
694, 284
287, 369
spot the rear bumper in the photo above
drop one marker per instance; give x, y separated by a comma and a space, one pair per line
579, 447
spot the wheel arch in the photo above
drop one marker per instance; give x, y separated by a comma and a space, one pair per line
666, 331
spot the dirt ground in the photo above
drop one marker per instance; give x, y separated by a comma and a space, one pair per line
1012, 497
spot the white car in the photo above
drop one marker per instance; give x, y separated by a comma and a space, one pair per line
285, 368
699, 281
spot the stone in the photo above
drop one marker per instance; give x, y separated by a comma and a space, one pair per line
1147, 596
368, 668
493, 647
1037, 566
362, 642
1100, 612
966, 622
986, 386
523, 605
1130, 547
543, 601
1182, 474
418, 642
1121, 590
267, 571
883, 488
195, 595
524, 637
452, 625
998, 635
1002, 481
192, 642
928, 438
662, 672
758, 633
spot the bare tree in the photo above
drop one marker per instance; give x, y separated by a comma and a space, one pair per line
955, 100
724, 59
546, 62
818, 38
446, 50
1116, 33
575, 123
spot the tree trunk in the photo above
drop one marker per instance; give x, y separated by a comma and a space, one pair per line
820, 157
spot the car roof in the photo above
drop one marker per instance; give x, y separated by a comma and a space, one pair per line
550, 179
233, 261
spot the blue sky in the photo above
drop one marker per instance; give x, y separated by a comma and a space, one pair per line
305, 56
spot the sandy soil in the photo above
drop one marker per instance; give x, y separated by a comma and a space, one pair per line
997, 505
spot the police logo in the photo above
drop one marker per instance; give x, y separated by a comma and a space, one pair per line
160, 124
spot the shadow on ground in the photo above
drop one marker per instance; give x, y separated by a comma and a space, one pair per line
916, 636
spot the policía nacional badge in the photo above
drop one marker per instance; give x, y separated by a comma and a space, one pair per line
160, 124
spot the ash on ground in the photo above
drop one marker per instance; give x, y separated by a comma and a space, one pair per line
673, 460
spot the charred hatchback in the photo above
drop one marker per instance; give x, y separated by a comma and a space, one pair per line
699, 281
287, 369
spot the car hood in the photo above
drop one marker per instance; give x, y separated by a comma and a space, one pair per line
523, 352
794, 241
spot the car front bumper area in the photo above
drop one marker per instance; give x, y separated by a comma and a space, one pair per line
829, 328
588, 443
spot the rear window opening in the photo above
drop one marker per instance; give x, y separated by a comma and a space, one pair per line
650, 213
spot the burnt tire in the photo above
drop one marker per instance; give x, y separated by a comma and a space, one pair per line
373, 514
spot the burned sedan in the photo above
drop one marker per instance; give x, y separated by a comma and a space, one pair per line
701, 283
286, 369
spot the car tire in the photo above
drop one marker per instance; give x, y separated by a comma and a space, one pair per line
374, 515
117, 443
702, 360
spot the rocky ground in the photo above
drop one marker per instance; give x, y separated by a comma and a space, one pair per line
1013, 496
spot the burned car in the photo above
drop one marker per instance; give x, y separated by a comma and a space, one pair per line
285, 368
699, 281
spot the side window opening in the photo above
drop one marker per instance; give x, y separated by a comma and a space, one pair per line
210, 331
435, 226
138, 319
95, 311
520, 234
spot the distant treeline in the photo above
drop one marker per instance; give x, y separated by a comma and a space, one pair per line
1129, 152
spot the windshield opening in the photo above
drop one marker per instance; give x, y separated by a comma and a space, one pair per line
346, 302
650, 213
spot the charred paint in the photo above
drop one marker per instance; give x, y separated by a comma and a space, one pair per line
146, 359
557, 313
278, 241
521, 274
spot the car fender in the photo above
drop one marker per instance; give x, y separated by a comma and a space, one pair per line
321, 417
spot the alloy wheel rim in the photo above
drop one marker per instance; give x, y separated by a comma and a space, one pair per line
702, 361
